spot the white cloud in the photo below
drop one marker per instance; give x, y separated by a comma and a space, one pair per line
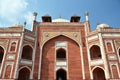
29, 17
12, 9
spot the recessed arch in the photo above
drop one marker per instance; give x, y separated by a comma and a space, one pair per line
48, 55
97, 67
27, 52
109, 46
24, 67
13, 46
61, 74
58, 36
119, 52
1, 54
24, 73
98, 74
95, 52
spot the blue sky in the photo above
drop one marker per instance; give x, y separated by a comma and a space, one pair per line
18, 11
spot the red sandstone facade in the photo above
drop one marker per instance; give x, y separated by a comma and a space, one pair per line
60, 50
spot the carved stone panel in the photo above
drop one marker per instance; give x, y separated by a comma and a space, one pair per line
74, 35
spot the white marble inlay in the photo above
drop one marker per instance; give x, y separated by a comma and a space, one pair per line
61, 44
112, 57
111, 35
61, 63
11, 57
25, 61
29, 37
92, 37
9, 34
96, 62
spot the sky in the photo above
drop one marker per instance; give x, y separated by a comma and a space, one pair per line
100, 11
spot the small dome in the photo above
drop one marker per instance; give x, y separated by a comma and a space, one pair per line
103, 26
60, 20
16, 25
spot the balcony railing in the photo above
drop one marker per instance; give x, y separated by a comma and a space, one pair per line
96, 62
61, 63
26, 61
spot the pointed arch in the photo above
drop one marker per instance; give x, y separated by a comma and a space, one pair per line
98, 74
25, 67
78, 43
61, 74
48, 54
95, 52
27, 52
24, 73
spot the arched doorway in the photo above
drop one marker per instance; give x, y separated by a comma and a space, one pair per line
95, 52
1, 54
98, 74
24, 74
61, 75
27, 52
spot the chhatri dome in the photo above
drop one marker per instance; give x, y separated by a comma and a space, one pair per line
60, 20
103, 25
16, 25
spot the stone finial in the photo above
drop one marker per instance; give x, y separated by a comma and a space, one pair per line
25, 23
87, 14
35, 15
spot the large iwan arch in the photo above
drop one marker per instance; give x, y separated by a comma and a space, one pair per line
49, 57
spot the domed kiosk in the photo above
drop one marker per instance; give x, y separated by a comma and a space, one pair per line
103, 25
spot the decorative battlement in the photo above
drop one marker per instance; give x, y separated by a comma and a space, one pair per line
62, 24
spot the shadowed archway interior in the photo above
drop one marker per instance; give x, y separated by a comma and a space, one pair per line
1, 54
98, 74
24, 74
61, 75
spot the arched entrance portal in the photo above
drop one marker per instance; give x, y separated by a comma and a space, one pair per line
61, 75
24, 74
98, 74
